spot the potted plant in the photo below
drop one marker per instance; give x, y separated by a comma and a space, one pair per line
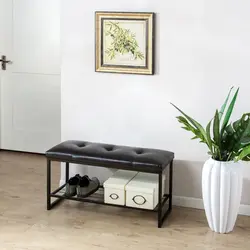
228, 145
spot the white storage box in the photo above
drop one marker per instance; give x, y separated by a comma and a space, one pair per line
114, 187
142, 191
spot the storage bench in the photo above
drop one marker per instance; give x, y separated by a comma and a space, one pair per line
143, 160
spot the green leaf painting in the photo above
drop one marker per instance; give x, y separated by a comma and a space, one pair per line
123, 42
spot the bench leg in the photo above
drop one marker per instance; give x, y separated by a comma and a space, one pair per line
48, 184
170, 185
50, 204
160, 200
161, 214
67, 172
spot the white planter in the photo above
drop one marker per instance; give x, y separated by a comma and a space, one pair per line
221, 190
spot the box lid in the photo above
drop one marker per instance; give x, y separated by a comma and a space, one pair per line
144, 183
119, 179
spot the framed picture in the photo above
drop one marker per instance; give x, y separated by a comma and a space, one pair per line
125, 42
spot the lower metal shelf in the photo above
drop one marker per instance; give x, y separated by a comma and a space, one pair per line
97, 198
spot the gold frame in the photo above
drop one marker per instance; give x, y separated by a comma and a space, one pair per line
149, 68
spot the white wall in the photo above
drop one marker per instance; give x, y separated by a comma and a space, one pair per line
202, 47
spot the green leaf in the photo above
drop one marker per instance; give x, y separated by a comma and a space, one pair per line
216, 129
237, 135
209, 140
245, 140
225, 104
195, 124
229, 111
186, 128
189, 127
181, 119
245, 154
195, 137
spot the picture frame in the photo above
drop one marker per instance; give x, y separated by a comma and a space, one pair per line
124, 42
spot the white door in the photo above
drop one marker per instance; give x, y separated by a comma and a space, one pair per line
30, 86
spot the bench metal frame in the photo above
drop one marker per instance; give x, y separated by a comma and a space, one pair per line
162, 212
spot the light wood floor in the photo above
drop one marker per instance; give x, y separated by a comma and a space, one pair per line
25, 223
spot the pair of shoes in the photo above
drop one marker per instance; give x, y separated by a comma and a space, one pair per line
82, 186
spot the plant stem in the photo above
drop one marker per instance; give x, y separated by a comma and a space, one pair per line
229, 156
219, 154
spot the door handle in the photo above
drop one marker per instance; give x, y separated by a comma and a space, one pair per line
4, 61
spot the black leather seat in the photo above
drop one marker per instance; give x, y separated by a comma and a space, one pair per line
100, 154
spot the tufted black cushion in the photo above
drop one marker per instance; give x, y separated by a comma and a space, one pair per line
109, 155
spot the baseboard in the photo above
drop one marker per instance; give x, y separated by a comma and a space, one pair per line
181, 201
22, 152
244, 210
61, 183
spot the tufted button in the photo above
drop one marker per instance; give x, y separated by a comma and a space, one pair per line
82, 145
109, 148
139, 152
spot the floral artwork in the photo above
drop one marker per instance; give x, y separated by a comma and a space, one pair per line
124, 42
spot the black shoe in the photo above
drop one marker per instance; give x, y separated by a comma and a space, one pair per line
87, 186
84, 181
72, 185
